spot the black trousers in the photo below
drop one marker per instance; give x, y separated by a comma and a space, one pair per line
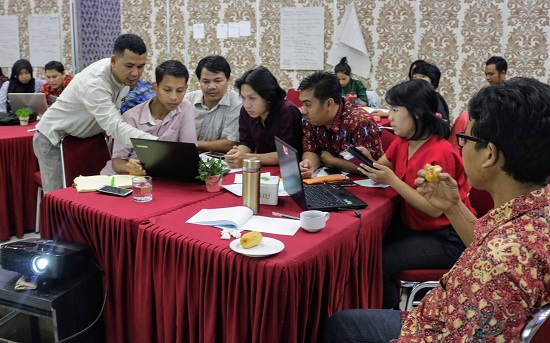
404, 248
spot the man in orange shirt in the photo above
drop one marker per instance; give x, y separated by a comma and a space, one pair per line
56, 79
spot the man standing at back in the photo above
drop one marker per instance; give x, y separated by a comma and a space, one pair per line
495, 70
90, 105
216, 108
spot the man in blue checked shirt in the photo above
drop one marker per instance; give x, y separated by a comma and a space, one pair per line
141, 92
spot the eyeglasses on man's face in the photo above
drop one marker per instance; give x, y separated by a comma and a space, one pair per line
462, 138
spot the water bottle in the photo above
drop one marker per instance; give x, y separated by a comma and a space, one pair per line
251, 183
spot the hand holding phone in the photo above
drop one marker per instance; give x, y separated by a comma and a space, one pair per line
111, 190
359, 157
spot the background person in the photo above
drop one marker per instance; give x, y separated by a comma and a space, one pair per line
331, 124
56, 80
216, 107
430, 73
488, 295
90, 105
3, 78
495, 70
349, 85
139, 93
422, 237
265, 114
21, 81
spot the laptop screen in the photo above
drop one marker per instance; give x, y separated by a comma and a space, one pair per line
35, 101
290, 171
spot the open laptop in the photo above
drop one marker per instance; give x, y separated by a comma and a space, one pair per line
326, 197
166, 159
35, 101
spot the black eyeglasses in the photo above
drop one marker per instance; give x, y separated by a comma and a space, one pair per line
462, 138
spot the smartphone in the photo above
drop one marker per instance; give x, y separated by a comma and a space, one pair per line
215, 154
360, 157
111, 190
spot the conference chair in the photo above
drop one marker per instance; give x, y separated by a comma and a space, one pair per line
83, 156
37, 178
293, 95
412, 281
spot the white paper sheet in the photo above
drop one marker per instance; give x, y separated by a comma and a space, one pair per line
244, 28
221, 31
198, 31
44, 39
9, 40
302, 38
233, 30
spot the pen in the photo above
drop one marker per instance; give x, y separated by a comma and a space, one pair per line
277, 214
112, 180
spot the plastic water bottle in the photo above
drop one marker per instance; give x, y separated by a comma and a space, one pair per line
251, 183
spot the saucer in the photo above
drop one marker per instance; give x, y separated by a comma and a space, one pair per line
268, 246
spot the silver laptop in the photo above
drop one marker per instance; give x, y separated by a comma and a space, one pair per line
34, 101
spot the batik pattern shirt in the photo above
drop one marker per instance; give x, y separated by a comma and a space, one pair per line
142, 91
497, 283
352, 125
48, 90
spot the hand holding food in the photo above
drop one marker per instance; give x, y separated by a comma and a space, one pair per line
432, 173
251, 239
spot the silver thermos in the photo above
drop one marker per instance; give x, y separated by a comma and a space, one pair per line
251, 183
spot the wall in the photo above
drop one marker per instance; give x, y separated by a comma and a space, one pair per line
456, 35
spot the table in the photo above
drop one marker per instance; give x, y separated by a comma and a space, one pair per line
18, 191
108, 225
191, 287
62, 303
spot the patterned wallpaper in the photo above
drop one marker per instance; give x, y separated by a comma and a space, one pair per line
457, 35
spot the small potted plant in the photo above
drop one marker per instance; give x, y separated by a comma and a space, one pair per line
23, 114
211, 172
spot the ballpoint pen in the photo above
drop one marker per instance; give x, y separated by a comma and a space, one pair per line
277, 214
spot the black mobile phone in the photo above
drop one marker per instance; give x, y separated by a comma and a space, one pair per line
111, 190
215, 154
360, 156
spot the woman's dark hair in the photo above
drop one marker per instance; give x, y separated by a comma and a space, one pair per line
343, 67
264, 83
420, 100
54, 65
325, 86
431, 71
515, 117
413, 66
1, 72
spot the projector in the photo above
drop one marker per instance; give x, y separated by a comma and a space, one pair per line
44, 258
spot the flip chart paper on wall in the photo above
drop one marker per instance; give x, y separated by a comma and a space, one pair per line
302, 38
198, 31
9, 40
221, 31
44, 39
348, 42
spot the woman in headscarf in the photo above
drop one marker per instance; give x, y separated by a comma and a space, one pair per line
21, 81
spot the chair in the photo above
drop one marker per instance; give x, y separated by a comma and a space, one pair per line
37, 178
458, 126
386, 137
374, 99
83, 156
537, 329
294, 96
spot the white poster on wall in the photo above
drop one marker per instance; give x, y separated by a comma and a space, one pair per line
9, 40
302, 38
348, 42
44, 39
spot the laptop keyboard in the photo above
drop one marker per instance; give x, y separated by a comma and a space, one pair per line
320, 197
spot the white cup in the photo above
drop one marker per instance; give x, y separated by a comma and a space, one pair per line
313, 221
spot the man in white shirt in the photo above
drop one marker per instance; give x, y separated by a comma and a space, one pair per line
216, 108
90, 105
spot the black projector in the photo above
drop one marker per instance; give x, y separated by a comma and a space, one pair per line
44, 258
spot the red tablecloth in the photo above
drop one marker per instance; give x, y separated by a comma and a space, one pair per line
191, 287
17, 189
108, 224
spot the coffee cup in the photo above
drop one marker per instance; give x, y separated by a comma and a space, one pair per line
313, 220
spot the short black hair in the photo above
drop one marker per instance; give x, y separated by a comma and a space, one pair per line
431, 71
413, 66
343, 67
515, 117
173, 68
499, 62
420, 100
262, 81
325, 85
129, 41
214, 64
55, 65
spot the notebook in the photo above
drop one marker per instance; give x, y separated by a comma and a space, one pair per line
166, 159
326, 197
35, 101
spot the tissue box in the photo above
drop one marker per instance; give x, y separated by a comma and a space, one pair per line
269, 190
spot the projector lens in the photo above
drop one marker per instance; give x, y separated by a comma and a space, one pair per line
39, 264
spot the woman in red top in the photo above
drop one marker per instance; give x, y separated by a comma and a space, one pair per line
422, 237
